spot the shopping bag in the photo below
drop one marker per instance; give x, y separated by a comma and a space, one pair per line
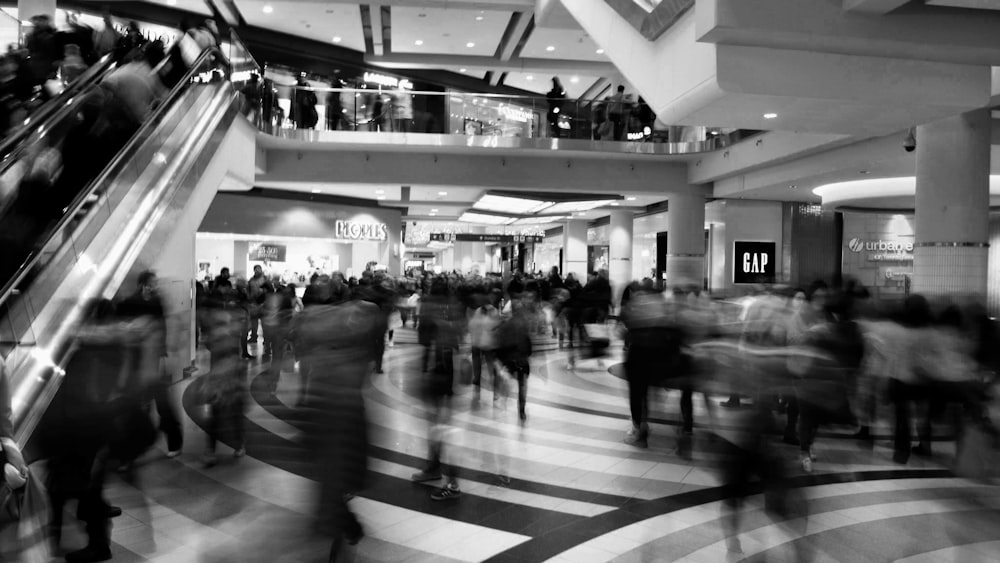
978, 454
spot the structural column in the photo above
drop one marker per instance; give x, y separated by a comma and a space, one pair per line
471, 256
686, 240
27, 9
620, 253
952, 206
575, 249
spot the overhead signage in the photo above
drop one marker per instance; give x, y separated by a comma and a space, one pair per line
266, 252
883, 250
473, 237
754, 262
351, 230
387, 81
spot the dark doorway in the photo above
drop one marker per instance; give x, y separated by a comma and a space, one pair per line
661, 258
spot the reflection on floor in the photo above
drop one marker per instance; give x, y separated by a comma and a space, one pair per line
577, 492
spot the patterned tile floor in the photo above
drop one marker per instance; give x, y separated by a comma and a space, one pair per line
577, 492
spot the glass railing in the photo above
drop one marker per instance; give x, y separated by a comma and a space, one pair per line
281, 108
56, 203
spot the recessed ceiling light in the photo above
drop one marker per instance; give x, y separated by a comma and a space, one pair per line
336, 39
630, 198
434, 210
418, 42
442, 193
529, 77
574, 79
470, 44
315, 191
770, 115
614, 204
379, 192
600, 51
268, 8
462, 70
479, 18
381, 197
172, 2
792, 186
550, 48
433, 214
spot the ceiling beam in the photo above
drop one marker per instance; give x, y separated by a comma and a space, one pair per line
493, 5
375, 18
386, 29
420, 61
515, 36
873, 7
596, 89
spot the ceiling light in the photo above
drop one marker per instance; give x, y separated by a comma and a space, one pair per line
434, 210
770, 115
470, 44
550, 48
574, 79
380, 198
792, 186
315, 191
713, 132
600, 51
508, 204
630, 198
544, 220
380, 192
479, 18
442, 193
336, 39
614, 204
461, 70
529, 77
268, 8
433, 214
471, 217
418, 42
172, 2
570, 207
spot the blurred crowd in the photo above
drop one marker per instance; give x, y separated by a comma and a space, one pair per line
791, 361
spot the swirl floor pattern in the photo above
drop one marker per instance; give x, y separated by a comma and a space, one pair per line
577, 493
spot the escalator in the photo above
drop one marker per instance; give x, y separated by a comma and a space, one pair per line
79, 240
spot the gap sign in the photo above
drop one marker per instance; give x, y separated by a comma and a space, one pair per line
754, 262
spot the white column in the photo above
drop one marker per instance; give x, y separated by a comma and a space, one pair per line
471, 256
952, 206
575, 249
447, 260
620, 253
686, 240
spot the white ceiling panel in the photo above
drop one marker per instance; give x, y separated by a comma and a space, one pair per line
447, 31
311, 20
568, 44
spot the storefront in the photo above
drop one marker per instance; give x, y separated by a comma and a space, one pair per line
498, 116
878, 252
295, 238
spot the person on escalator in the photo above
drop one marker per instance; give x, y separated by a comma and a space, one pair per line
130, 46
187, 49
44, 51
72, 65
106, 40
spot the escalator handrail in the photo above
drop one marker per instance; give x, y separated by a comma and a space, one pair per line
93, 75
131, 147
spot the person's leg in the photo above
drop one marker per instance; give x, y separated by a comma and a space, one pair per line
522, 393
899, 394
638, 391
808, 424
170, 424
379, 351
477, 370
254, 322
304, 375
791, 419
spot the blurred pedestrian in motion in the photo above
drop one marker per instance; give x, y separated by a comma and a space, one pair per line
15, 472
224, 387
129, 47
304, 105
514, 352
483, 327
252, 99
149, 357
44, 50
72, 65
107, 38
442, 322
557, 99
81, 423
277, 322
258, 286
336, 341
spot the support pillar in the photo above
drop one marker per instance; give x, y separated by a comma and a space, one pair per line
686, 240
27, 9
952, 206
575, 249
620, 253
471, 256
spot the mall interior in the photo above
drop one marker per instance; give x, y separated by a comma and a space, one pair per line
783, 208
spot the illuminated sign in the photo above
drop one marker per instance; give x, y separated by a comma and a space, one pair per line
754, 262
361, 231
264, 252
472, 237
387, 81
884, 250
516, 114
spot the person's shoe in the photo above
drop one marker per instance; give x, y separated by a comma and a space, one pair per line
807, 463
88, 554
522, 415
447, 492
239, 452
209, 460
865, 433
392, 344
173, 453
112, 511
503, 480
379, 371
248, 357
424, 476
636, 438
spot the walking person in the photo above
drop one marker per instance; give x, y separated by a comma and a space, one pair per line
556, 98
514, 353
225, 391
617, 113
483, 338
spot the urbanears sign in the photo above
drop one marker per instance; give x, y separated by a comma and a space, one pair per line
754, 262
